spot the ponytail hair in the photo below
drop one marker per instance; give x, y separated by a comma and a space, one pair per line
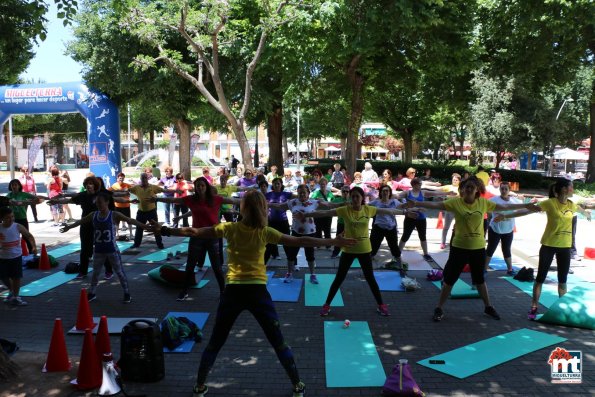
556, 187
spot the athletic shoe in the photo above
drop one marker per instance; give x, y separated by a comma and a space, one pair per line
127, 298
182, 296
334, 255
288, 278
91, 297
196, 392
383, 310
299, 390
428, 258
160, 246
18, 301
326, 309
80, 276
108, 276
8, 298
532, 315
135, 246
438, 314
313, 279
511, 272
442, 246
490, 311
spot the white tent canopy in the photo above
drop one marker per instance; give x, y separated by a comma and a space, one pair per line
569, 154
332, 149
303, 147
373, 149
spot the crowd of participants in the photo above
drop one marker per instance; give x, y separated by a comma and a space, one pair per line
239, 207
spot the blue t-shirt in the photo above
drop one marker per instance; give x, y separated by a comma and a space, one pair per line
420, 197
387, 222
278, 197
104, 234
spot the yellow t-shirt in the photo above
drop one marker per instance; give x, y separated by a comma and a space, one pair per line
226, 192
450, 189
469, 233
558, 230
483, 176
357, 226
117, 187
144, 194
245, 251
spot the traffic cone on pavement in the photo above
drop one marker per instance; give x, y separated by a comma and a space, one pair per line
102, 342
57, 360
24, 248
44, 260
84, 318
89, 375
440, 224
589, 253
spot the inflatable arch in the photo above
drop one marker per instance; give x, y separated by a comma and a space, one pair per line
103, 120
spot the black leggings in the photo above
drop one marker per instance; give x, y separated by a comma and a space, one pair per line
458, 258
409, 224
25, 224
198, 248
273, 249
546, 257
365, 261
323, 227
292, 252
256, 299
392, 238
495, 238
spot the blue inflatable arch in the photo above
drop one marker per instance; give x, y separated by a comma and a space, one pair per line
103, 120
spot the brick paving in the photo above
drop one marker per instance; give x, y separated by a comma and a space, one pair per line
247, 365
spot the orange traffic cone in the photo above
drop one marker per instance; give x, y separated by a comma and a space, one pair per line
57, 360
44, 260
102, 343
84, 318
24, 248
89, 375
440, 224
589, 253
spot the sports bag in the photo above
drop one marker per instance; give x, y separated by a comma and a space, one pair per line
401, 383
175, 330
525, 274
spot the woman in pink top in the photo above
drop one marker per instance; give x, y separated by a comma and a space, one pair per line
29, 187
54, 186
184, 187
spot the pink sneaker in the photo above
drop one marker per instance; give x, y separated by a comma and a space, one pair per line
326, 309
383, 310
442, 246
532, 315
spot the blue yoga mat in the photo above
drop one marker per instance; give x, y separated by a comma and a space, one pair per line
315, 294
45, 284
198, 318
124, 245
350, 356
284, 292
498, 263
460, 290
161, 255
549, 292
477, 357
65, 250
389, 281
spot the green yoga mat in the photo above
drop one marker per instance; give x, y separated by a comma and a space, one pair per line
549, 292
155, 275
65, 250
572, 310
315, 294
45, 284
460, 290
472, 359
124, 245
161, 255
350, 356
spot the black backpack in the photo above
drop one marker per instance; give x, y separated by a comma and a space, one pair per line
525, 274
141, 352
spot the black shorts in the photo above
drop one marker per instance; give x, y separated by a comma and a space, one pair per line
11, 268
124, 211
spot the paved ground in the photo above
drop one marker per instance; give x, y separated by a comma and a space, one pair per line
247, 365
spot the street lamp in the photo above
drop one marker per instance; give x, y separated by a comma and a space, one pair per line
562, 107
569, 99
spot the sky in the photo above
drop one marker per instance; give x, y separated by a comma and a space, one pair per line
50, 64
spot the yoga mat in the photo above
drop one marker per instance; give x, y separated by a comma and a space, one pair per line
197, 318
460, 290
415, 260
65, 250
114, 324
389, 281
549, 292
161, 255
45, 284
124, 245
284, 292
155, 275
350, 356
315, 294
498, 263
477, 357
574, 309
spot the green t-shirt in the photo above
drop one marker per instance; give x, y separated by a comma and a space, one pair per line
558, 230
226, 192
19, 211
245, 250
357, 226
469, 232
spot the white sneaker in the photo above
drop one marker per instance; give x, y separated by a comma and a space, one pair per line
18, 301
288, 278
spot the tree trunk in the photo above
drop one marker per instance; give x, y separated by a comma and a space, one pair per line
240, 135
60, 151
275, 135
183, 126
285, 147
141, 142
152, 139
356, 82
407, 134
591, 166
